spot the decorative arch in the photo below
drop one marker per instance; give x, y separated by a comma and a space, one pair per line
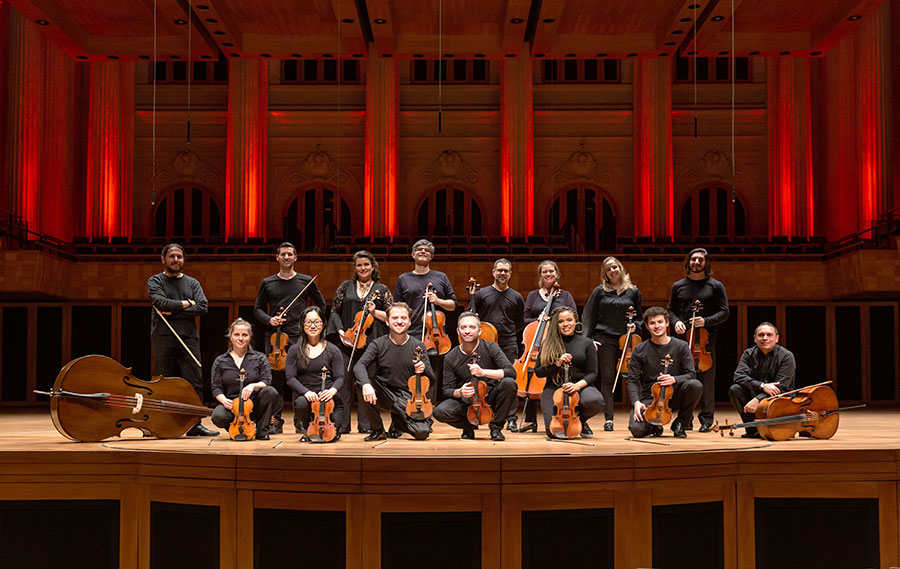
187, 210
317, 214
586, 216
450, 209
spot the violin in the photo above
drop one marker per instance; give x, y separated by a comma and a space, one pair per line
627, 343
697, 340
813, 410
278, 343
242, 428
488, 330
96, 397
565, 423
528, 384
321, 429
436, 340
419, 406
355, 336
658, 412
479, 412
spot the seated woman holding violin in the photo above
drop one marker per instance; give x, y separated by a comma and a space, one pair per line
303, 371
561, 348
257, 387
661, 380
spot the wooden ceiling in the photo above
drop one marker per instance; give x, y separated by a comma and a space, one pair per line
101, 29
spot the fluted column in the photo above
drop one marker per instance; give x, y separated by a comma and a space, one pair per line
653, 209
791, 211
382, 147
110, 152
245, 178
517, 145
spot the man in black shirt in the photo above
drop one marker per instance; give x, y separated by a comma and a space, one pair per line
492, 368
765, 370
392, 360
180, 299
503, 307
700, 285
647, 368
275, 294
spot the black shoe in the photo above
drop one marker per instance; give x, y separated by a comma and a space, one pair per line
363, 430
525, 428
689, 426
376, 435
277, 426
657, 431
394, 433
586, 432
497, 434
262, 435
468, 433
749, 435
199, 430
608, 426
678, 430
511, 425
704, 428
344, 431
304, 438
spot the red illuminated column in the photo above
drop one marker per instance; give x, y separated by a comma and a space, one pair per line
110, 150
517, 146
245, 180
791, 205
382, 134
653, 207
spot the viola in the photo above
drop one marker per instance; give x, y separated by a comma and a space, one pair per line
96, 397
565, 423
813, 410
697, 341
436, 340
479, 412
355, 336
488, 330
658, 412
242, 428
627, 343
528, 384
419, 406
321, 429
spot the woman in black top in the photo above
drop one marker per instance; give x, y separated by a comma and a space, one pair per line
303, 370
348, 301
562, 345
605, 320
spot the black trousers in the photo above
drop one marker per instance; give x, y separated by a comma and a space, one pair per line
171, 360
501, 397
608, 354
266, 401
348, 390
393, 399
278, 376
708, 379
740, 396
303, 415
590, 403
686, 395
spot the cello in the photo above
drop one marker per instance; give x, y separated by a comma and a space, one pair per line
436, 340
658, 412
96, 397
565, 423
278, 341
321, 429
627, 343
242, 428
479, 412
698, 340
488, 330
419, 406
528, 384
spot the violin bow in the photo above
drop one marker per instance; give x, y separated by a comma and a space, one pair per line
174, 333
311, 281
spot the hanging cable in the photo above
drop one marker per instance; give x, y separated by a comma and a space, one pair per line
440, 62
189, 73
153, 118
696, 128
733, 73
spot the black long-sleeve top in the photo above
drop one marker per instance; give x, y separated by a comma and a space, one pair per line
166, 294
605, 311
756, 368
456, 366
646, 365
309, 377
535, 304
505, 309
410, 289
276, 293
710, 293
389, 363
583, 364
225, 375
347, 304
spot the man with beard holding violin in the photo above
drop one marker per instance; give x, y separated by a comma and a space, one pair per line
493, 368
276, 293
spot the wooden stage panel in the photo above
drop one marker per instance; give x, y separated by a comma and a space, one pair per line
444, 474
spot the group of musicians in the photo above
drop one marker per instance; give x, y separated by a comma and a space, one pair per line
578, 355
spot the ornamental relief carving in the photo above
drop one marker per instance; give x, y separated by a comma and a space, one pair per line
451, 166
315, 166
582, 166
186, 166
715, 166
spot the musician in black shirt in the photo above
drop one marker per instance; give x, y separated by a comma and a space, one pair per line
503, 307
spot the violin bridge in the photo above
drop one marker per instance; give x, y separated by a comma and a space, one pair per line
138, 404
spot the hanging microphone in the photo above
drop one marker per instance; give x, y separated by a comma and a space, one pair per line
733, 194
189, 131
695, 126
439, 120
153, 195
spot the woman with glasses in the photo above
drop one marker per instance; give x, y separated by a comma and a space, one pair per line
303, 370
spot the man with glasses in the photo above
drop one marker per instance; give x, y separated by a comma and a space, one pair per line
504, 307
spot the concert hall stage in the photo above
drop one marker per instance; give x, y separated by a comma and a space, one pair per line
659, 503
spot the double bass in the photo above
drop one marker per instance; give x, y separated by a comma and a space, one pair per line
528, 384
697, 341
479, 412
96, 397
627, 343
321, 429
565, 423
419, 406
436, 340
488, 330
658, 412
242, 428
